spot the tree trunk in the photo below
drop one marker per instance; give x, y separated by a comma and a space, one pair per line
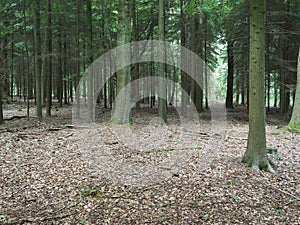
162, 88
229, 95
135, 71
121, 113
48, 72
1, 102
38, 60
90, 59
256, 153
183, 75
295, 120
77, 88
60, 66
198, 42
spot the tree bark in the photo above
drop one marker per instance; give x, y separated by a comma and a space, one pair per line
229, 95
162, 88
48, 72
295, 120
90, 59
121, 113
256, 153
38, 60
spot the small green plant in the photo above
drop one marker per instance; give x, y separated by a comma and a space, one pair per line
234, 197
91, 192
271, 150
280, 211
231, 182
205, 217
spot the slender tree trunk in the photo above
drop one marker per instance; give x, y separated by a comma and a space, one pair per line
205, 65
48, 73
77, 88
275, 92
90, 59
229, 95
256, 153
162, 89
135, 70
183, 75
26, 53
60, 66
12, 66
198, 42
38, 59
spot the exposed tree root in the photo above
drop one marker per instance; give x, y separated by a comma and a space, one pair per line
260, 164
291, 128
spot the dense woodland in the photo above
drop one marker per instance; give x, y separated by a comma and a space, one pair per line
49, 45
250, 46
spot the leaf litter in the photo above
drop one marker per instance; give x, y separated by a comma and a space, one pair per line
46, 178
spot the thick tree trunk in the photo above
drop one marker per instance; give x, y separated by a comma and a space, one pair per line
121, 113
256, 153
295, 120
1, 103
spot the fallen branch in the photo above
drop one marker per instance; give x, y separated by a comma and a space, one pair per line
15, 117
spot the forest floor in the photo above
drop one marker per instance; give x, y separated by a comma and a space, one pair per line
51, 173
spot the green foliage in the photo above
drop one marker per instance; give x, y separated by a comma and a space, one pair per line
69, 77
192, 7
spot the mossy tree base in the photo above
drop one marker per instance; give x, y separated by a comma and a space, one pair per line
119, 122
294, 128
258, 164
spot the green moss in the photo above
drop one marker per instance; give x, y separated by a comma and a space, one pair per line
294, 128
